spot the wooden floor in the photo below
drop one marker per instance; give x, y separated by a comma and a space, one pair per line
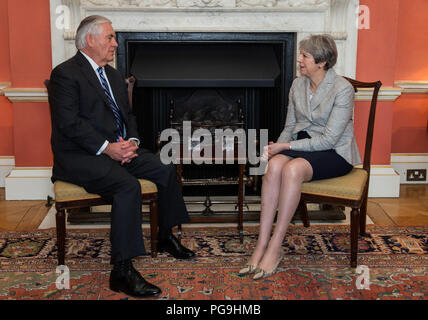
411, 209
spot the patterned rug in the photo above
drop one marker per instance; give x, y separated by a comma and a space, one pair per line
393, 262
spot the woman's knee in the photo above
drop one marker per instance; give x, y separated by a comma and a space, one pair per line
274, 169
297, 170
276, 165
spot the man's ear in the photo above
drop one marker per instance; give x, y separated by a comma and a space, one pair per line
90, 40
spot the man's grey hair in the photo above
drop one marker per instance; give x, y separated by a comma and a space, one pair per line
322, 47
89, 25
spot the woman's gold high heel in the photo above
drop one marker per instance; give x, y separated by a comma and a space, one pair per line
261, 273
248, 269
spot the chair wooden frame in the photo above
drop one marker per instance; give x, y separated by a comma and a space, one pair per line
63, 205
359, 206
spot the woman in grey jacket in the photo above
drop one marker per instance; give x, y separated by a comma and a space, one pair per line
317, 143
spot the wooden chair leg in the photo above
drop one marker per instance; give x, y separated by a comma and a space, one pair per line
60, 234
355, 223
154, 227
363, 216
304, 213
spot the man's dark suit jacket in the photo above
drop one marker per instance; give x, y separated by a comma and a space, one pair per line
82, 119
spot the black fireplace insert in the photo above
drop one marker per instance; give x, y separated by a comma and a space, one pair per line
208, 78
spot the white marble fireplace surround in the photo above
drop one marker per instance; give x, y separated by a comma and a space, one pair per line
304, 17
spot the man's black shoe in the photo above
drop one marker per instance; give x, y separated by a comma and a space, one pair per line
171, 245
129, 281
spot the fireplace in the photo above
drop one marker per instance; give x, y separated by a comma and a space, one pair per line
224, 21
234, 79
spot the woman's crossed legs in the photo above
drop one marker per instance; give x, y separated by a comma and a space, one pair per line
281, 190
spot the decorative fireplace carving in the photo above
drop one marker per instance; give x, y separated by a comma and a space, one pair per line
205, 3
336, 17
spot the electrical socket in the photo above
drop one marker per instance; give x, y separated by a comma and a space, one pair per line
416, 174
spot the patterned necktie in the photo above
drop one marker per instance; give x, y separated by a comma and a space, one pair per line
113, 105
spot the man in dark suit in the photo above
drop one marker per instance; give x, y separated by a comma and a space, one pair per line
95, 145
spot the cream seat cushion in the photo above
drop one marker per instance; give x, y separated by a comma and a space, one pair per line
350, 186
65, 191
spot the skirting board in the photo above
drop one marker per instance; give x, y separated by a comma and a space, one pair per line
7, 163
29, 184
416, 162
35, 183
384, 182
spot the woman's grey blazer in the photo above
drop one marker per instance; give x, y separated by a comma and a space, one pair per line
328, 118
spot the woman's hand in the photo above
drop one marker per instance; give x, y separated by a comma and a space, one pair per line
274, 148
